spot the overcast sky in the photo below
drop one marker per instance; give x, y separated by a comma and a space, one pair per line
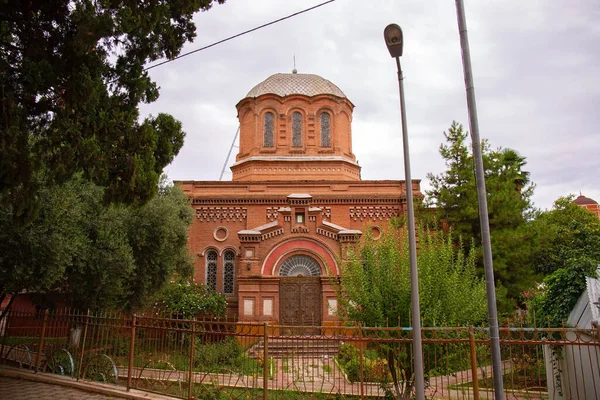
536, 67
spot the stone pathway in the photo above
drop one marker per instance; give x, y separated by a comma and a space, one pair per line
20, 389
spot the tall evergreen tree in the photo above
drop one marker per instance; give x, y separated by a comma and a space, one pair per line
71, 78
509, 192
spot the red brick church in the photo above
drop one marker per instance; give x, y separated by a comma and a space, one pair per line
271, 238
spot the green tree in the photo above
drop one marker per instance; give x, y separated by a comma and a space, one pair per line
158, 237
375, 288
566, 249
96, 255
564, 233
72, 77
509, 192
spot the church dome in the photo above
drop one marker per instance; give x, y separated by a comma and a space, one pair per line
288, 84
584, 201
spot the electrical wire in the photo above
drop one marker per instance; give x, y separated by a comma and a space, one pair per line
238, 35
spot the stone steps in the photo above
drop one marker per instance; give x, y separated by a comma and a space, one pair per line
287, 348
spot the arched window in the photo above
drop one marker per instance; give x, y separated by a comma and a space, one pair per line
325, 129
296, 129
211, 269
228, 272
268, 128
300, 265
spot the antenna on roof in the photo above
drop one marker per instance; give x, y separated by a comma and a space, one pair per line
294, 71
229, 153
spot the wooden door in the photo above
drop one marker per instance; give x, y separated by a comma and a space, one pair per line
300, 301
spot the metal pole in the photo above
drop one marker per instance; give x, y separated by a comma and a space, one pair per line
38, 357
266, 361
488, 265
131, 351
85, 329
192, 356
229, 154
473, 352
412, 250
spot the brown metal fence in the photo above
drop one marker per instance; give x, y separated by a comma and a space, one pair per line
213, 359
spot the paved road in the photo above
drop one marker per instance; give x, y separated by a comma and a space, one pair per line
20, 389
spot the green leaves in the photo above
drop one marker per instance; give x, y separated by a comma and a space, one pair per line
189, 300
564, 233
97, 255
561, 290
72, 80
509, 192
375, 284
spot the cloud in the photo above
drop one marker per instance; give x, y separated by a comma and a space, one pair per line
535, 68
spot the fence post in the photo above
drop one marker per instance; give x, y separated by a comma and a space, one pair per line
131, 351
85, 328
191, 366
360, 362
473, 363
6, 318
38, 357
266, 362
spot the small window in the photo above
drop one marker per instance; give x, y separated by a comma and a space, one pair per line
299, 218
211, 269
228, 272
297, 129
325, 129
268, 128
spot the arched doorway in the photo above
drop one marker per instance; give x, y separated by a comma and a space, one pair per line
300, 291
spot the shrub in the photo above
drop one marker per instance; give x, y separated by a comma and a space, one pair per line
190, 299
226, 353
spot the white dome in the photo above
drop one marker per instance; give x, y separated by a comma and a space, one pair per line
288, 84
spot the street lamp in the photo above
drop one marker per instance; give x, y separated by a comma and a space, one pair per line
488, 265
395, 42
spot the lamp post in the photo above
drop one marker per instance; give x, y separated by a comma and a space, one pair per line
484, 222
394, 42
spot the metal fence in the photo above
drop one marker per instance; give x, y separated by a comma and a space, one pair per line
214, 359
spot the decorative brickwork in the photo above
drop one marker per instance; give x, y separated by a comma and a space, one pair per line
300, 229
374, 213
327, 233
272, 234
206, 214
272, 213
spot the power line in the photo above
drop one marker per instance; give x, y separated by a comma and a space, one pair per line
238, 35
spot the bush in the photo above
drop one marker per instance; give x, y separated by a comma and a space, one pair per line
375, 369
226, 353
190, 300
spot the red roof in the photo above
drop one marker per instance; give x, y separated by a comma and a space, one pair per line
583, 201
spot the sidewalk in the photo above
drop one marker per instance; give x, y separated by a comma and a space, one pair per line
20, 384
18, 389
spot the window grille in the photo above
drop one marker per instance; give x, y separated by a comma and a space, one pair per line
325, 130
297, 129
228, 272
211, 269
300, 265
268, 128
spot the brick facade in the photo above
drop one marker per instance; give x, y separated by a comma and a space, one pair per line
295, 195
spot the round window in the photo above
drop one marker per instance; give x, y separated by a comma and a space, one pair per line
220, 234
